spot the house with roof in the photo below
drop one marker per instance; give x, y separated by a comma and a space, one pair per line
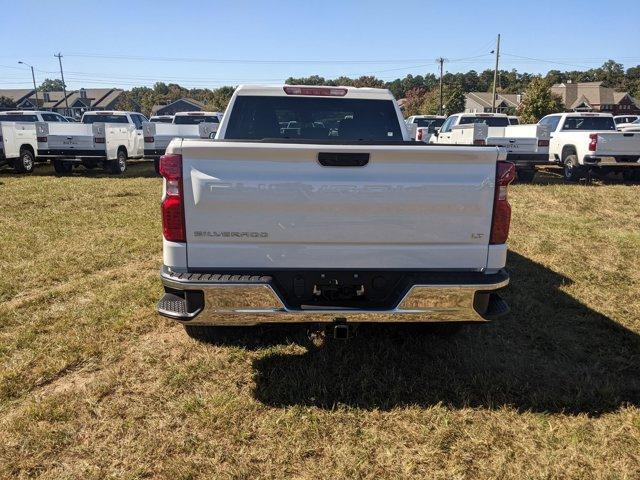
593, 97
79, 101
481, 102
180, 105
19, 96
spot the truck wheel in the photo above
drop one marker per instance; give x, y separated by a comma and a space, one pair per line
119, 165
572, 170
62, 168
525, 175
25, 163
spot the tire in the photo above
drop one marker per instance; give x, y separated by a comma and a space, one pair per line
156, 165
631, 175
572, 170
26, 161
119, 165
525, 175
62, 168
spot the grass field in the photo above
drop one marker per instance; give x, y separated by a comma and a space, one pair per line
93, 384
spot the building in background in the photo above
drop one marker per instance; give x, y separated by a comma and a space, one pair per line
79, 101
593, 97
180, 105
481, 102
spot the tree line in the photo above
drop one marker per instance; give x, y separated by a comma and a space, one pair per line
420, 91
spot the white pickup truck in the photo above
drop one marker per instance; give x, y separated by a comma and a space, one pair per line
584, 142
527, 145
345, 221
108, 138
18, 138
421, 127
183, 125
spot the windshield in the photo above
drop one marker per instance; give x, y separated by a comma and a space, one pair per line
104, 118
12, 117
429, 122
589, 123
488, 121
312, 118
194, 119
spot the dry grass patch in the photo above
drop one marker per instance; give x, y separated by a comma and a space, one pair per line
94, 385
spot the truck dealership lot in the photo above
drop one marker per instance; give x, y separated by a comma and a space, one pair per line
94, 385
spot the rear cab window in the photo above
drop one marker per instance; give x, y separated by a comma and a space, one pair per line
589, 123
488, 121
14, 117
106, 118
194, 119
313, 118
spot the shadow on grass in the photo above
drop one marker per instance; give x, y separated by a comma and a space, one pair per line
553, 176
135, 169
552, 353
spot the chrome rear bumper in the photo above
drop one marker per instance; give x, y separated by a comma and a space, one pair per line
214, 299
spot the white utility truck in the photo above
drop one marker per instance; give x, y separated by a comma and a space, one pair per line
107, 138
527, 145
183, 125
585, 142
345, 221
18, 139
18, 145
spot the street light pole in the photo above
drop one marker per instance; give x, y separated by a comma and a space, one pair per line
35, 88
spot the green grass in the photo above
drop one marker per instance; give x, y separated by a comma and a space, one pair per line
93, 384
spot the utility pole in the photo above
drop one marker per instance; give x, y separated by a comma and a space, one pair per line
64, 86
33, 76
495, 77
441, 62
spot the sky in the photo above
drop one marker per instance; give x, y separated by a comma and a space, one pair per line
213, 43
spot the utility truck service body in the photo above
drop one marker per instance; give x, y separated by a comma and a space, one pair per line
106, 137
183, 125
581, 142
341, 218
527, 145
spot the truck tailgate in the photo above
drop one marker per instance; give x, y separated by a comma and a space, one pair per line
67, 136
618, 143
270, 206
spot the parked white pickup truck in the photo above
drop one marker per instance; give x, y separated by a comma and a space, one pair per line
346, 220
18, 139
108, 138
583, 142
424, 125
184, 125
527, 145
18, 145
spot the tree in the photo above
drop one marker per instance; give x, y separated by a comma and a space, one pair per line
51, 85
454, 101
220, 98
6, 103
538, 101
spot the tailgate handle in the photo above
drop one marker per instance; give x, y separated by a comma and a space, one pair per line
331, 159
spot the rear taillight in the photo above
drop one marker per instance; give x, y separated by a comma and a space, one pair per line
41, 139
173, 204
543, 143
593, 142
479, 142
505, 173
149, 139
99, 140
419, 136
